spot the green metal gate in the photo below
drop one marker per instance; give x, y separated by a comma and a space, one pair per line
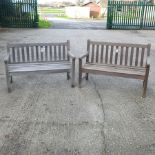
130, 15
18, 13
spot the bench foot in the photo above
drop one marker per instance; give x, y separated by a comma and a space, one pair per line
8, 82
72, 85
87, 76
144, 88
68, 76
11, 79
9, 90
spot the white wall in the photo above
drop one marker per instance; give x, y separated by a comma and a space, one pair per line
77, 12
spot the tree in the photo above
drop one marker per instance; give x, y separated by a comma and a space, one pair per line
80, 2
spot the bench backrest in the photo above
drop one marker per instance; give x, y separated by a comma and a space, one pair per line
38, 52
118, 53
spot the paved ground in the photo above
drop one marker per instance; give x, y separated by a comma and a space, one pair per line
44, 116
61, 23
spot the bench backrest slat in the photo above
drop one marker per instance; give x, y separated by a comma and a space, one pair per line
43, 52
118, 53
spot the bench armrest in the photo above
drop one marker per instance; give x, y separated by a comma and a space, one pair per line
83, 56
71, 55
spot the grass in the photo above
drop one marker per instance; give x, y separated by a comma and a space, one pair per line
51, 10
44, 23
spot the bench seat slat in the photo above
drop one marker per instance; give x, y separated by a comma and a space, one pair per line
115, 69
32, 67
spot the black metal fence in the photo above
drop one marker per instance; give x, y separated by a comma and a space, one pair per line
130, 15
18, 13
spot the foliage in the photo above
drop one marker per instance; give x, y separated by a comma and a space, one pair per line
44, 23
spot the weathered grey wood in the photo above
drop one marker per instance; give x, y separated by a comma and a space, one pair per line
73, 72
106, 56
142, 57
131, 56
137, 56
116, 55
7, 76
111, 54
121, 57
132, 62
80, 72
92, 55
126, 56
102, 52
39, 57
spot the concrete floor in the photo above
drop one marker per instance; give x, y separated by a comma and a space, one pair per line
45, 116
62, 23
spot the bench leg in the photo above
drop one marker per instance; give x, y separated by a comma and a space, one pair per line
68, 75
86, 76
80, 72
8, 82
73, 73
145, 82
144, 88
11, 79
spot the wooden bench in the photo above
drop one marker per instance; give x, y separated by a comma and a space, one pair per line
116, 59
39, 57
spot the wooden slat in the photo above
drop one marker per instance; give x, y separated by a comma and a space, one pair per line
142, 57
64, 52
111, 54
97, 53
18, 55
115, 69
126, 56
106, 55
131, 56
50, 54
60, 55
33, 67
13, 54
23, 54
46, 54
32, 53
102, 52
55, 53
119, 44
116, 54
137, 56
92, 53
37, 53
36, 44
28, 54
121, 56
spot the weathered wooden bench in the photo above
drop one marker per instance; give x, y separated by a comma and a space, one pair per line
116, 59
39, 57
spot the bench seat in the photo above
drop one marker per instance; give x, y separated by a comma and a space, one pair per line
34, 67
122, 71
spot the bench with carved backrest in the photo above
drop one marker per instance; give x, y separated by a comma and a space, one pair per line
39, 57
116, 59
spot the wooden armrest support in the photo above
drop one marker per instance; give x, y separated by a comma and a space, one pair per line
83, 56
148, 61
71, 55
6, 59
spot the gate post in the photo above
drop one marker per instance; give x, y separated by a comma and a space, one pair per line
109, 15
142, 16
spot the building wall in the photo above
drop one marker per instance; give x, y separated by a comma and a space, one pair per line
77, 12
95, 10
